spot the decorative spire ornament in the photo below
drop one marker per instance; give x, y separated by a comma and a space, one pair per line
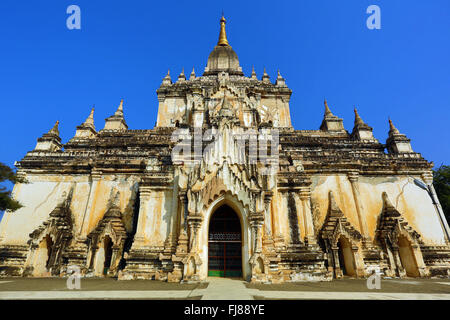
181, 77
358, 120
119, 111
392, 129
223, 34
327, 109
55, 129
331, 122
116, 121
253, 74
89, 122
265, 77
361, 131
167, 80
192, 76
280, 80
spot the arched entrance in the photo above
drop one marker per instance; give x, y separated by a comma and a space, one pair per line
224, 244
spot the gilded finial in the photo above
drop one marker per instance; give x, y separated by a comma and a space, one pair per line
223, 35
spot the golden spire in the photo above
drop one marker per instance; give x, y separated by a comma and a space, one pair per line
223, 35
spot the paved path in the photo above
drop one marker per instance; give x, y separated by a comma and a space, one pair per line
225, 289
307, 295
218, 289
88, 295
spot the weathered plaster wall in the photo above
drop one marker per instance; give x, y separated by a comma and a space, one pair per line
412, 202
170, 110
160, 213
39, 198
89, 203
342, 191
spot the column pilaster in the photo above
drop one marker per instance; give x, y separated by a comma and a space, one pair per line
353, 177
144, 197
305, 198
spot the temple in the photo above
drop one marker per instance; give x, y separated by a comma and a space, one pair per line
223, 185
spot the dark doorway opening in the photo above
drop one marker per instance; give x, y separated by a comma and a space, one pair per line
49, 245
108, 254
346, 258
224, 244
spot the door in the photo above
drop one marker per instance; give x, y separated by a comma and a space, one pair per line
224, 244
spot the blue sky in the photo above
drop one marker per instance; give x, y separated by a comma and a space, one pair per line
322, 48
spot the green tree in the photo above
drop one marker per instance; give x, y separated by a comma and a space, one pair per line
441, 182
6, 202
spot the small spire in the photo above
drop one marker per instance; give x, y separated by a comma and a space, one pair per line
223, 35
167, 79
182, 77
265, 76
253, 73
119, 111
55, 129
392, 128
280, 80
90, 120
327, 109
192, 76
358, 120
87, 128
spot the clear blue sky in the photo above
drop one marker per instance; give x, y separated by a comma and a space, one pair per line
323, 49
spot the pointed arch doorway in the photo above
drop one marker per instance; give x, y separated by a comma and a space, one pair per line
225, 244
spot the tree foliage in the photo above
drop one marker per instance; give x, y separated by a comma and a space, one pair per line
441, 182
6, 202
